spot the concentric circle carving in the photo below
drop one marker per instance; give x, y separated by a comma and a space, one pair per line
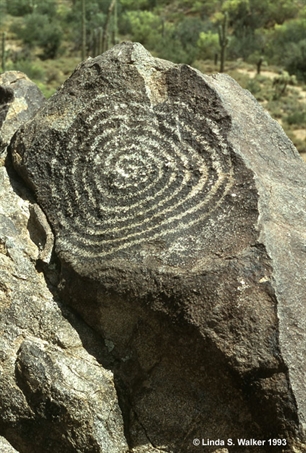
116, 173
141, 173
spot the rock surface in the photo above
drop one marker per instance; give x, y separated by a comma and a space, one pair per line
178, 208
5, 447
54, 394
19, 101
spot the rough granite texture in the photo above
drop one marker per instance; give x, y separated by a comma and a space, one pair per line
178, 208
19, 101
55, 396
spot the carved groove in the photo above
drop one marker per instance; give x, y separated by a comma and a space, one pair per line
139, 175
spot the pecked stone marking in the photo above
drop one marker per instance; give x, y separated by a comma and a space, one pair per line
137, 184
133, 162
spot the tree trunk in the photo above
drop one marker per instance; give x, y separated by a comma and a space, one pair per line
83, 30
105, 31
259, 63
3, 51
222, 58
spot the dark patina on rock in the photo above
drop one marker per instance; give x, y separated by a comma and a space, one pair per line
178, 209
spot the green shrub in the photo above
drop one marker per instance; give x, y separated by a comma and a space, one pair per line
295, 59
286, 46
19, 7
39, 30
24, 7
275, 109
244, 43
32, 70
138, 4
171, 49
96, 12
208, 45
297, 117
46, 90
143, 26
253, 86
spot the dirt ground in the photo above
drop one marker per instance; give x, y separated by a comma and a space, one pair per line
251, 73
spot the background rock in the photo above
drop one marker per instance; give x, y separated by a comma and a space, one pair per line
19, 101
178, 208
54, 395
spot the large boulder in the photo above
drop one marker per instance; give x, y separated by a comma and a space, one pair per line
178, 208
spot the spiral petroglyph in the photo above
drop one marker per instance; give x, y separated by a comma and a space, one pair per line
135, 183
128, 170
